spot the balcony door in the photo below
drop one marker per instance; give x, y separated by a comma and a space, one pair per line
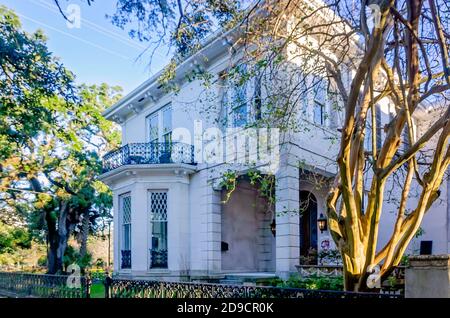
160, 135
160, 125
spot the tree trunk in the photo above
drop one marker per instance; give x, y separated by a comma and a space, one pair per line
52, 238
58, 237
84, 234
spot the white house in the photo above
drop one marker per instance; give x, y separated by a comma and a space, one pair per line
170, 219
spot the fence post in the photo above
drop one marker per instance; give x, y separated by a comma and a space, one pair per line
107, 284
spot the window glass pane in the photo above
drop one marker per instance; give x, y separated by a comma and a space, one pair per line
318, 113
239, 98
167, 119
153, 127
258, 98
379, 128
127, 237
368, 136
320, 92
225, 105
319, 102
159, 230
240, 116
125, 212
167, 138
126, 221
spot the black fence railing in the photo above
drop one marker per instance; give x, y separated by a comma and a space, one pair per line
44, 286
119, 288
125, 259
148, 153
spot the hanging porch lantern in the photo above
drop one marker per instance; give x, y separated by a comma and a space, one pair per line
273, 227
322, 223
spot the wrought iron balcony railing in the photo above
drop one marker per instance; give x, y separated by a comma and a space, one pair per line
158, 258
148, 153
126, 259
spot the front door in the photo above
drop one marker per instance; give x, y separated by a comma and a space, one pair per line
308, 225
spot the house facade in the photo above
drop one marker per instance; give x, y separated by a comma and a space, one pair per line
173, 218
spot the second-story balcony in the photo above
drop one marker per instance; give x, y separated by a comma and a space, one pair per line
148, 153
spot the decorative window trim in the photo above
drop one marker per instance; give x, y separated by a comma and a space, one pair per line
158, 258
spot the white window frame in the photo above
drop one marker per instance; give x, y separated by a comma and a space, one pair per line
229, 93
122, 239
150, 228
160, 116
310, 104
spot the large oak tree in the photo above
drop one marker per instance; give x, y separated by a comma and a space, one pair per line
51, 137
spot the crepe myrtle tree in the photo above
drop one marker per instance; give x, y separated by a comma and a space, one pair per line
364, 52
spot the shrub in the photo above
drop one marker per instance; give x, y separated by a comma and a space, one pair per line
42, 261
72, 256
98, 274
311, 282
12, 238
330, 257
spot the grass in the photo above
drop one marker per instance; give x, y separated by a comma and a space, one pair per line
98, 290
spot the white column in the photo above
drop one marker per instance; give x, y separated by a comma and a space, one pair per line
178, 227
214, 231
287, 219
139, 227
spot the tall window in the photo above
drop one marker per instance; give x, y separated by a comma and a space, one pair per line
158, 223
125, 212
379, 127
153, 127
239, 110
160, 125
241, 98
167, 124
319, 102
258, 98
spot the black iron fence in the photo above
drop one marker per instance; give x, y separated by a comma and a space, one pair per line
44, 286
119, 288
148, 153
62, 286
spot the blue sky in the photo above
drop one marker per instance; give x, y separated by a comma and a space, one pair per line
97, 51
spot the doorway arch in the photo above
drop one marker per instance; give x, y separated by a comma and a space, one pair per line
308, 223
